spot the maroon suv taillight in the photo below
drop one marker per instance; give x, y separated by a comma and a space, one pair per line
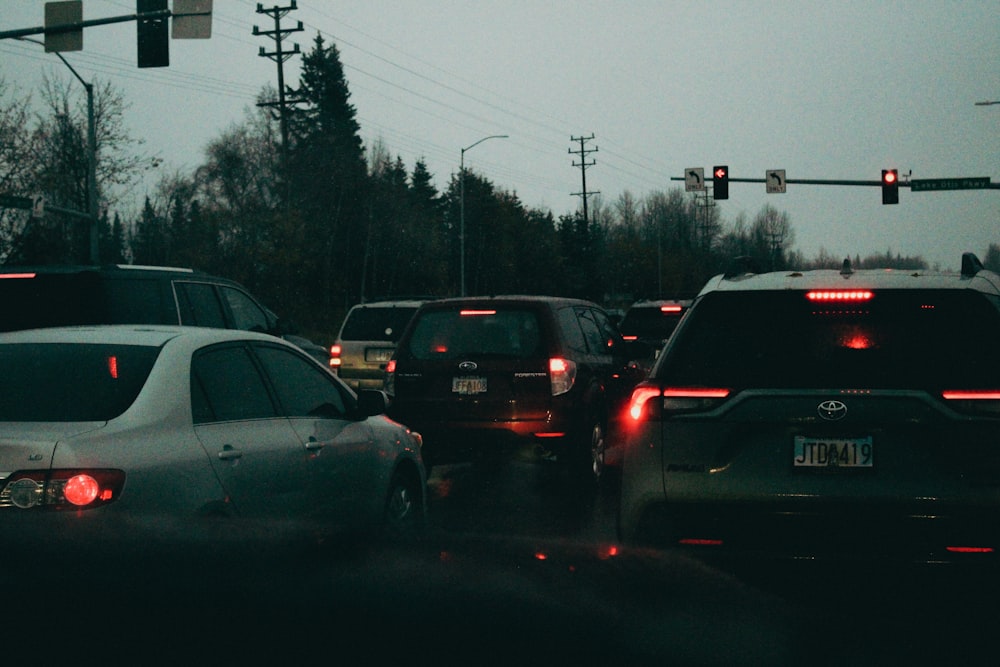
72, 489
562, 374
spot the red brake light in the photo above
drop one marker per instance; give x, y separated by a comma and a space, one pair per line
335, 360
973, 395
470, 312
674, 400
17, 275
562, 375
81, 490
113, 367
63, 489
390, 367
840, 295
984, 402
640, 395
670, 309
970, 550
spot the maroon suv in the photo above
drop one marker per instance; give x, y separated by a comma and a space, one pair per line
482, 377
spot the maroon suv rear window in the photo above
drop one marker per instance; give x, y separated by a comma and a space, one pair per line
450, 334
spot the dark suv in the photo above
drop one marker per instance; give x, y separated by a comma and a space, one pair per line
824, 414
652, 322
483, 376
47, 296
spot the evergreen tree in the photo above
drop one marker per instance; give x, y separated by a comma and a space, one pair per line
328, 176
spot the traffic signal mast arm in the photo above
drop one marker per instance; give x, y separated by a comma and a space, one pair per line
820, 181
78, 25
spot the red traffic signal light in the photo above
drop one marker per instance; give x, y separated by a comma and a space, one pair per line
890, 186
720, 182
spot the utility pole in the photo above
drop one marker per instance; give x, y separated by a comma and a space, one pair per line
583, 164
279, 56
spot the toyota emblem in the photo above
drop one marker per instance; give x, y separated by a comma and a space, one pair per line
467, 366
832, 410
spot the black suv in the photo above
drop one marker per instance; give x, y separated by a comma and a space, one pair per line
811, 414
48, 296
651, 322
481, 377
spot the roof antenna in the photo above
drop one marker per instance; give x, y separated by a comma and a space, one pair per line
846, 269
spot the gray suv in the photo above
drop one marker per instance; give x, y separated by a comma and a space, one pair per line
824, 414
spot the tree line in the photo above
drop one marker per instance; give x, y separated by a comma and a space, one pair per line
324, 222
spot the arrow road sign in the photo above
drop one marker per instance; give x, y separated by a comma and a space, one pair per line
694, 179
775, 179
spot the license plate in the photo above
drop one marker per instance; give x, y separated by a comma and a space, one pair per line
468, 385
378, 354
833, 452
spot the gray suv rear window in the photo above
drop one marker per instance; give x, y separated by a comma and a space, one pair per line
383, 324
906, 339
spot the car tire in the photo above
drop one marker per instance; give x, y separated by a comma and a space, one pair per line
587, 461
403, 516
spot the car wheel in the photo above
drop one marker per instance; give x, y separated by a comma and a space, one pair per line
598, 451
587, 463
403, 513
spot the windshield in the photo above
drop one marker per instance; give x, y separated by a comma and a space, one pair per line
377, 324
60, 383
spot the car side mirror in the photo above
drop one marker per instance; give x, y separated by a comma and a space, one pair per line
372, 402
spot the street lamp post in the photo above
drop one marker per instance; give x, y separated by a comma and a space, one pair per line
461, 179
91, 156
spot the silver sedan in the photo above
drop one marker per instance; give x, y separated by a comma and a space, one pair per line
182, 435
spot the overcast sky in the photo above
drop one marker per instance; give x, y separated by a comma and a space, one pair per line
823, 90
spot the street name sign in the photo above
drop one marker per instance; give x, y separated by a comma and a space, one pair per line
931, 184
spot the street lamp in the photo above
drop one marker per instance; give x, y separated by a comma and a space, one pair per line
91, 155
461, 179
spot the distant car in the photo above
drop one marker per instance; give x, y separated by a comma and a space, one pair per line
824, 414
652, 322
62, 295
480, 377
176, 433
367, 339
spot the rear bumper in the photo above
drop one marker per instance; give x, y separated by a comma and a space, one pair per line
456, 442
912, 532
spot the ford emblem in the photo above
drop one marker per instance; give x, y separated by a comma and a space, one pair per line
832, 410
467, 366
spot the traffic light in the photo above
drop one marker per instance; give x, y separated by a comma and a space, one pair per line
720, 182
890, 186
152, 34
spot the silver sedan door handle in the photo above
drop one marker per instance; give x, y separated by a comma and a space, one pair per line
229, 453
314, 444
